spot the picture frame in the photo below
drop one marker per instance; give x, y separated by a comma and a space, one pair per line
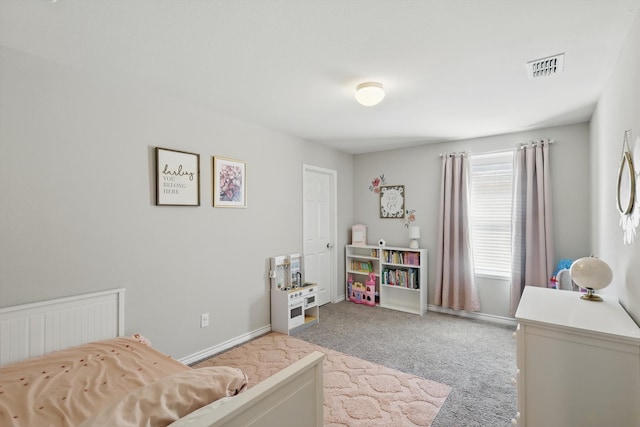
392, 201
229, 183
177, 178
359, 235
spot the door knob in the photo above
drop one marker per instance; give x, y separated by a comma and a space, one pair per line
329, 245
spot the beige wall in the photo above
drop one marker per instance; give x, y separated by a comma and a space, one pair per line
618, 110
77, 209
419, 170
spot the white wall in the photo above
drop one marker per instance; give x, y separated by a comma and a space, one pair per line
77, 209
618, 110
419, 170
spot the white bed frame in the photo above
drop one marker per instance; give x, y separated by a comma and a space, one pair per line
292, 397
38, 328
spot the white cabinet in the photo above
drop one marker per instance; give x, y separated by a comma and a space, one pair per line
578, 361
400, 276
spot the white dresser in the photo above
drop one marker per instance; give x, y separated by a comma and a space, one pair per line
578, 361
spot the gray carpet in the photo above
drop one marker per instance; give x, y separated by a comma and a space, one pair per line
475, 358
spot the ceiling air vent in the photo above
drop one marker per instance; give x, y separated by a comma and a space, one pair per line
545, 67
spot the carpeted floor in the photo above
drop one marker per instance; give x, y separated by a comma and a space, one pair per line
357, 393
476, 358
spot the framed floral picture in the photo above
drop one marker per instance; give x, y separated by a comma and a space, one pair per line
229, 183
392, 201
177, 178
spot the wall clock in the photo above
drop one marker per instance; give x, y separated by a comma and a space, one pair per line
392, 201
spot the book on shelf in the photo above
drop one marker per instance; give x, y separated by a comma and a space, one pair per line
401, 257
393, 257
405, 278
412, 258
364, 266
413, 278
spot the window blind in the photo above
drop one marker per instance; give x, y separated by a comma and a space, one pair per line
490, 209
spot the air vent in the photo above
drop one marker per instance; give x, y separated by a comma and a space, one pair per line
546, 67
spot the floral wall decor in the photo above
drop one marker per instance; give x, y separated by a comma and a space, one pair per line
392, 201
410, 217
229, 183
376, 183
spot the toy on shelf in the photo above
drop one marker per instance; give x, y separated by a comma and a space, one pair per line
363, 294
370, 292
357, 293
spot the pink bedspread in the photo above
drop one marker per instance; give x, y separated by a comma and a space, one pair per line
66, 387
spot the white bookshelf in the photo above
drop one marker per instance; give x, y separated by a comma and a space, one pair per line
401, 275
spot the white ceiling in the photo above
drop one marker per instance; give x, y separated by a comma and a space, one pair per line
452, 69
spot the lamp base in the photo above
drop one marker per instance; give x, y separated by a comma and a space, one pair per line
413, 244
590, 296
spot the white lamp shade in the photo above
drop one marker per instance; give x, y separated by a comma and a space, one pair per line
414, 232
369, 93
591, 273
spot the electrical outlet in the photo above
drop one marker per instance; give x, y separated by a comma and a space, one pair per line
204, 320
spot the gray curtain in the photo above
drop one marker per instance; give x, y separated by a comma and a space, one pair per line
455, 280
532, 233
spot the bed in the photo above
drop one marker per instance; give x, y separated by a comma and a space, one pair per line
67, 362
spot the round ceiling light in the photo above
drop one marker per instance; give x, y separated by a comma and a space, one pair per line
369, 93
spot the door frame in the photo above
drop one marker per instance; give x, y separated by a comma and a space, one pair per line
333, 232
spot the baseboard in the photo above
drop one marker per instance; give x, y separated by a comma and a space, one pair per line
208, 352
478, 316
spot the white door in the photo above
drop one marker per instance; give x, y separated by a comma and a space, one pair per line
319, 234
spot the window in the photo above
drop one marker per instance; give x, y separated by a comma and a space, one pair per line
491, 183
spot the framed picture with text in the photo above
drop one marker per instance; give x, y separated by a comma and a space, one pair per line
392, 201
229, 183
177, 178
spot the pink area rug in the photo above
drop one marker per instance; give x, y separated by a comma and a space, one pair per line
357, 393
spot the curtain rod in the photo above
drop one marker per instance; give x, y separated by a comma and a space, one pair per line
518, 146
454, 154
534, 143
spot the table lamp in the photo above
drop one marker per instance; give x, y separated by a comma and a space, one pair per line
591, 273
414, 235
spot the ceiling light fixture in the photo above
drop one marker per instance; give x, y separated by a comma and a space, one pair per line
369, 93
